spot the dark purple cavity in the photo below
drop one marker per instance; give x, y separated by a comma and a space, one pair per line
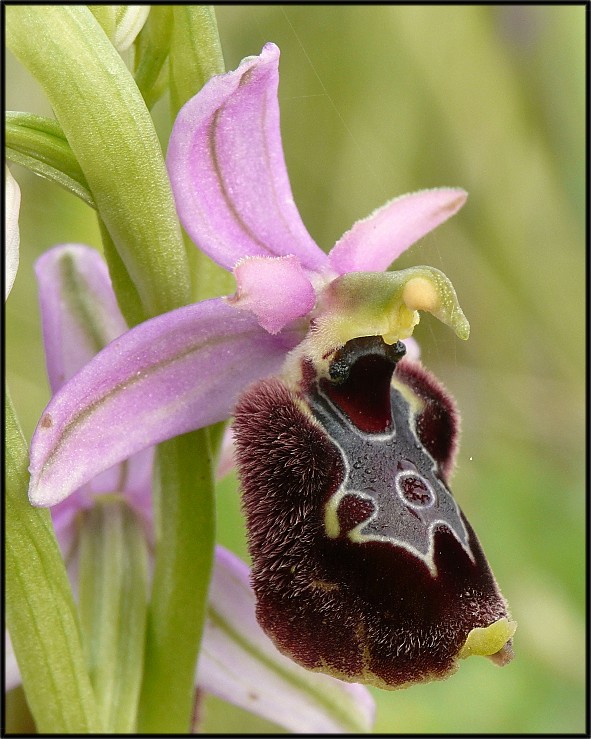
360, 376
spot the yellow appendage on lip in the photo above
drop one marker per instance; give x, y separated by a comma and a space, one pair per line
491, 641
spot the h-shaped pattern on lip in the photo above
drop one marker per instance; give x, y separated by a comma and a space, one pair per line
398, 478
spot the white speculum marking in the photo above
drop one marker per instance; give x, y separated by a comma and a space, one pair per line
397, 474
414, 490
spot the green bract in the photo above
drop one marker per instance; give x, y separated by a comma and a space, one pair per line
111, 134
40, 611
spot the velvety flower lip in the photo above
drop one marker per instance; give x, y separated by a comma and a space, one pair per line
184, 369
363, 565
228, 170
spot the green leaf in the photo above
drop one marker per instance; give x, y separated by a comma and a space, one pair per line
39, 144
40, 613
121, 23
195, 52
113, 606
153, 45
184, 558
111, 133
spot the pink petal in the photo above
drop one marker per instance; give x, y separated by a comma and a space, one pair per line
79, 311
226, 458
413, 350
172, 374
373, 243
227, 169
275, 289
240, 664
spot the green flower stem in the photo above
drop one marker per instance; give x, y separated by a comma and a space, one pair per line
185, 553
181, 579
39, 144
109, 129
216, 437
40, 613
125, 291
113, 605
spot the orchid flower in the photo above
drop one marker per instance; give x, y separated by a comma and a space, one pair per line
80, 315
330, 544
185, 369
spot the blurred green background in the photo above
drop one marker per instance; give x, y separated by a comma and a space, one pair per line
377, 101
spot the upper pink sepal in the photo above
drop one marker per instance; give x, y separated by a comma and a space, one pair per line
227, 169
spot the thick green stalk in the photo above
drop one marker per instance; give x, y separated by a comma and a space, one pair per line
181, 580
125, 291
195, 52
111, 133
40, 612
185, 553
